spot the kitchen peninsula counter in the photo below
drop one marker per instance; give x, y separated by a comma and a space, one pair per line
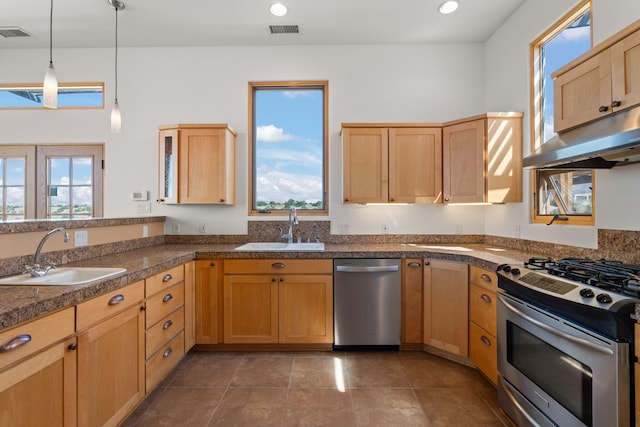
22, 303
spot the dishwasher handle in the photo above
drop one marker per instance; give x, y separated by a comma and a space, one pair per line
366, 269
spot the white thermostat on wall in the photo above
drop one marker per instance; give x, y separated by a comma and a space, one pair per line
139, 195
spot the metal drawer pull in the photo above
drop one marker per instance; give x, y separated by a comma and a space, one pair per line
485, 340
167, 298
485, 277
117, 299
485, 298
167, 324
14, 343
167, 352
167, 277
278, 265
414, 265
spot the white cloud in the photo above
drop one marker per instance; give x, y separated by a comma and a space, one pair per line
271, 133
273, 184
575, 34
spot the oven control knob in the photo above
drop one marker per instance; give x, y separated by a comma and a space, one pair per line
587, 293
604, 298
515, 271
506, 268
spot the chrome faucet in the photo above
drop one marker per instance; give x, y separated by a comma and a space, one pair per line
35, 269
293, 220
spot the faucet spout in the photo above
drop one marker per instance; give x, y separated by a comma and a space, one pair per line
35, 269
293, 220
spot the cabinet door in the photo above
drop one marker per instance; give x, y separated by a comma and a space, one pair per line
203, 166
306, 308
446, 306
464, 162
41, 390
483, 352
250, 309
583, 93
625, 61
111, 376
504, 159
415, 165
365, 156
168, 167
189, 306
207, 302
412, 301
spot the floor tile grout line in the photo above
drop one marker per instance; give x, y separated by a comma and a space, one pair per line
215, 410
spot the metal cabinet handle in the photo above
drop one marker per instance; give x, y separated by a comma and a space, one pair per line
446, 199
427, 263
167, 352
485, 340
221, 200
167, 298
117, 299
616, 103
485, 277
603, 109
278, 265
73, 346
167, 277
14, 343
213, 264
414, 265
485, 298
167, 324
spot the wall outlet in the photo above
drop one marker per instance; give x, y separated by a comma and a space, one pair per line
81, 238
202, 228
458, 228
517, 232
143, 207
344, 228
145, 231
175, 228
385, 228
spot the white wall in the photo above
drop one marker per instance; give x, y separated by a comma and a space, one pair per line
507, 86
401, 83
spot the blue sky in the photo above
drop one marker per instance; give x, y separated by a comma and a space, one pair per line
289, 145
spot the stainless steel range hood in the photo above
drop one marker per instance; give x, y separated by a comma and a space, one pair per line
602, 144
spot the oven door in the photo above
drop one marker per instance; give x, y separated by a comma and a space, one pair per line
554, 367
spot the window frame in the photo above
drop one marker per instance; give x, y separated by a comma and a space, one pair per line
37, 87
28, 152
253, 86
537, 130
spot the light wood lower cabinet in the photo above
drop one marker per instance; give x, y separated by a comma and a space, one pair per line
446, 306
483, 344
278, 301
206, 305
111, 359
40, 389
412, 301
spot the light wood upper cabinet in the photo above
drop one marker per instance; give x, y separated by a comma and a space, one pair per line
197, 164
446, 305
601, 82
391, 165
482, 159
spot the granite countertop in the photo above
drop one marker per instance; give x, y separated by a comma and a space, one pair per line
22, 303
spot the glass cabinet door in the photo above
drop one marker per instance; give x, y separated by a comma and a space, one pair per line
168, 159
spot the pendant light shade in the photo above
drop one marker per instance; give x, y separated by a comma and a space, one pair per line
116, 117
50, 85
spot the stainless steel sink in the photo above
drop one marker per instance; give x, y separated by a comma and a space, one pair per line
280, 246
64, 276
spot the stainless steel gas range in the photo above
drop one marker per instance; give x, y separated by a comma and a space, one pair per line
565, 341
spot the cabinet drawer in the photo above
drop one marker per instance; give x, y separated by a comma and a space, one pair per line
164, 361
483, 351
26, 339
164, 280
278, 266
164, 330
160, 305
485, 278
106, 305
482, 308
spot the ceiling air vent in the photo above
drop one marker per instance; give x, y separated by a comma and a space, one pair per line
284, 29
13, 32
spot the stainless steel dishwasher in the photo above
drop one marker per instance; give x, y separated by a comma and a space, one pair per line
366, 304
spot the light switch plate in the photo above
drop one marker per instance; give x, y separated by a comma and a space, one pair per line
81, 238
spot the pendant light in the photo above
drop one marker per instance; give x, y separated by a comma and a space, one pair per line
50, 85
116, 118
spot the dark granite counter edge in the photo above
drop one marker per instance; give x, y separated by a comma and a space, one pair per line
19, 304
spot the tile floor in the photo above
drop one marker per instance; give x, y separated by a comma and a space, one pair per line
320, 389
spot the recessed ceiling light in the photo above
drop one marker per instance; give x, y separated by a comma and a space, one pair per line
448, 7
278, 9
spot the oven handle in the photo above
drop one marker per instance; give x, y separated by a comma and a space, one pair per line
507, 389
554, 331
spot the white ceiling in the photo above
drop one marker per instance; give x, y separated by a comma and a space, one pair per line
90, 23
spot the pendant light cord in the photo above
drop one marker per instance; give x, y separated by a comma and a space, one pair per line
116, 61
51, 34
